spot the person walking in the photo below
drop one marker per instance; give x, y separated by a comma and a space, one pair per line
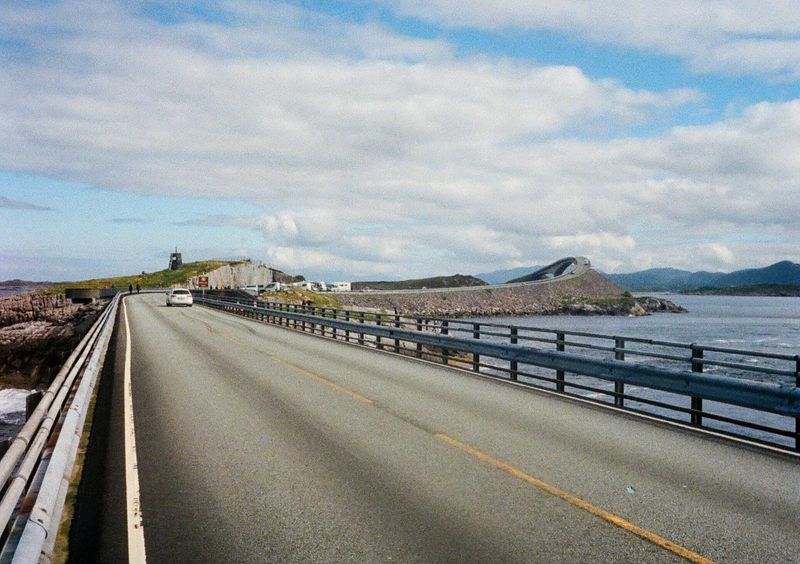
138, 287
130, 288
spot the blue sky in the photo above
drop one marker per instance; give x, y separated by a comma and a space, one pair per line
351, 140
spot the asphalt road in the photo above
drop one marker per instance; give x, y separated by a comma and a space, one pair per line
259, 444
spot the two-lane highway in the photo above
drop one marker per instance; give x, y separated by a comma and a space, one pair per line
258, 444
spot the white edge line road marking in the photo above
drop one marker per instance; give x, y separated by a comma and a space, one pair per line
136, 553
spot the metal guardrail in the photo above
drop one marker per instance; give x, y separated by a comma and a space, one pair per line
673, 381
36, 469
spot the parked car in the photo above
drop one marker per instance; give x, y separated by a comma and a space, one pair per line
179, 296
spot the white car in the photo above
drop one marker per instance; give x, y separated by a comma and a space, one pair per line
179, 296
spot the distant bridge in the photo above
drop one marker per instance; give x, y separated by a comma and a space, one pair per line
561, 270
574, 266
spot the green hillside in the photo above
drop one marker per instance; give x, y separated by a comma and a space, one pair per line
161, 279
455, 281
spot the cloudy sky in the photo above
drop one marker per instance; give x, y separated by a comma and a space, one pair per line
357, 139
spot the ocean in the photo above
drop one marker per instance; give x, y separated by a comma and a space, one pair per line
11, 290
762, 324
12, 412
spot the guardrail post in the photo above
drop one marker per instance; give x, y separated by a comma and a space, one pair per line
378, 342
513, 372
476, 358
444, 350
619, 387
797, 419
397, 326
31, 401
560, 337
419, 345
697, 402
361, 320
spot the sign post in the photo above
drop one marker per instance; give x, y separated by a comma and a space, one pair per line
202, 282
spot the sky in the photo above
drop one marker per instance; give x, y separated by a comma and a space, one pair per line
348, 140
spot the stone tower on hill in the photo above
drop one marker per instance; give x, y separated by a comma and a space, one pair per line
175, 261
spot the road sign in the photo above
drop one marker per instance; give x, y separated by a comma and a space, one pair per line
202, 281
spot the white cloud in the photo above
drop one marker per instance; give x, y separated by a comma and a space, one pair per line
380, 154
732, 36
716, 253
281, 225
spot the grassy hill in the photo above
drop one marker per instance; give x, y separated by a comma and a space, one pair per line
455, 281
161, 279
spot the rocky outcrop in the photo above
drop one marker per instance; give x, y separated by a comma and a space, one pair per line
243, 274
660, 305
627, 307
37, 333
35, 307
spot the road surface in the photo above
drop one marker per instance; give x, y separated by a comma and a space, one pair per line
260, 444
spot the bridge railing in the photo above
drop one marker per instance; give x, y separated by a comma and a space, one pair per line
736, 392
36, 468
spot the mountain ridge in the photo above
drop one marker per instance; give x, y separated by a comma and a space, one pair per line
675, 280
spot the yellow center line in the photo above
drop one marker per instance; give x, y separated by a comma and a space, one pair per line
323, 380
577, 502
314, 376
508, 469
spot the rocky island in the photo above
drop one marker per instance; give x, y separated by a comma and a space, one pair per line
589, 293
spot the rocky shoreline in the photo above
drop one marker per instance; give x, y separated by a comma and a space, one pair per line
625, 306
37, 333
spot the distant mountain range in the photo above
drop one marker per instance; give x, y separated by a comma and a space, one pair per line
674, 280
784, 273
18, 282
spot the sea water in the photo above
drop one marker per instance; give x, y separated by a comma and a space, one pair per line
763, 324
12, 411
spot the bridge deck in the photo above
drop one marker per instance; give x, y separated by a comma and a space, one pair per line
256, 444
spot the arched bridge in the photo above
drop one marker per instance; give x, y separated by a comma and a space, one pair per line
566, 266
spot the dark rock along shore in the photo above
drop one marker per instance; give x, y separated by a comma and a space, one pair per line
37, 333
